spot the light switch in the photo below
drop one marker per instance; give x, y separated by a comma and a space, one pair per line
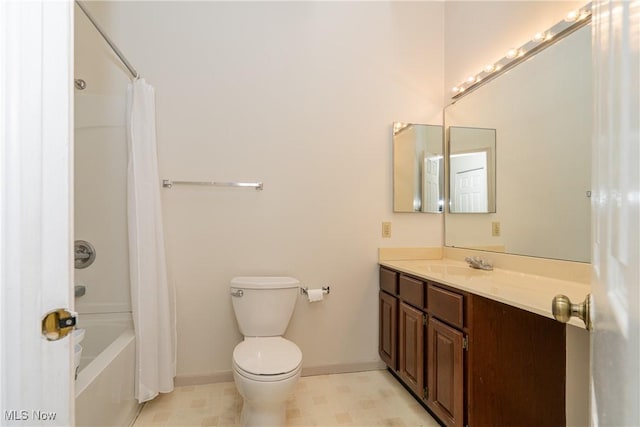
386, 229
495, 229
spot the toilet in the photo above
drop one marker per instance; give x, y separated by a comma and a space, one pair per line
266, 366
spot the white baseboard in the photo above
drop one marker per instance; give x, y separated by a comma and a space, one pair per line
227, 376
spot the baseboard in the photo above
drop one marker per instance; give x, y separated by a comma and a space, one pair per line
227, 376
342, 368
218, 377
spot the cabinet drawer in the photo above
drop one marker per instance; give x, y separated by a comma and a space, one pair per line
389, 281
412, 291
446, 305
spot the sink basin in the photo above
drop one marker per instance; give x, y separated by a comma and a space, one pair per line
455, 271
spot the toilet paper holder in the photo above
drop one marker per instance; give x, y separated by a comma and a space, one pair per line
325, 290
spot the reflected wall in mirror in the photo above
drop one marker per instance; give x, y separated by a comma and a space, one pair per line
418, 168
472, 170
541, 110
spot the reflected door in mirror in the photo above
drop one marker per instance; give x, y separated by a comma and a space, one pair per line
472, 175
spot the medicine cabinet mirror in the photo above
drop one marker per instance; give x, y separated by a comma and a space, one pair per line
418, 168
540, 115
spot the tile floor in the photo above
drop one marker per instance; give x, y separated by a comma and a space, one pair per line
373, 398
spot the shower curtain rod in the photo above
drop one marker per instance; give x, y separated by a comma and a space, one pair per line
106, 38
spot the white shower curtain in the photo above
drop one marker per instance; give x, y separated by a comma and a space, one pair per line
151, 299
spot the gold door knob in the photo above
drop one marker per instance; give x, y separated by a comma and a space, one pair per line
563, 309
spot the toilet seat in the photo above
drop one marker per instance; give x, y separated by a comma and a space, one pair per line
267, 358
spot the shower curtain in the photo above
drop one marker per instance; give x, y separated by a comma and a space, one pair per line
151, 299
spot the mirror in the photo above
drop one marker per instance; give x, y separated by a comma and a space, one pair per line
418, 168
541, 112
472, 170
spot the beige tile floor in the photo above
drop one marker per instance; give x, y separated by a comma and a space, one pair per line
372, 398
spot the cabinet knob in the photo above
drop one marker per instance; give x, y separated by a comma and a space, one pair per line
563, 309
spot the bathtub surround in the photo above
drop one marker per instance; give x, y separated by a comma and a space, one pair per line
152, 307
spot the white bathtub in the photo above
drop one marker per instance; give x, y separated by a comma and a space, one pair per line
105, 383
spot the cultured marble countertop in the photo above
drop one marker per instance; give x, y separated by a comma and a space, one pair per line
526, 291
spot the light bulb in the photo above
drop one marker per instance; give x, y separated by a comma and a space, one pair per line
571, 16
471, 79
455, 89
539, 37
489, 68
512, 53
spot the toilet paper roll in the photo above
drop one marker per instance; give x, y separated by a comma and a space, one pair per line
315, 295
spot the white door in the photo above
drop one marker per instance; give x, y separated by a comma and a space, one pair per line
469, 182
431, 183
615, 343
471, 190
36, 270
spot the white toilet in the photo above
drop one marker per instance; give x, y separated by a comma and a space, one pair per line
266, 367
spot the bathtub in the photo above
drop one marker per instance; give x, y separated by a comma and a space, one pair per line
105, 383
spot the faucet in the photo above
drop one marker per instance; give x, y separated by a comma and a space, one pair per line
479, 263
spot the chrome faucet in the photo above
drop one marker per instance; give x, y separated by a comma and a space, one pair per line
479, 263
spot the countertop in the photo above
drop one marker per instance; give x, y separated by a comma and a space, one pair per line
525, 291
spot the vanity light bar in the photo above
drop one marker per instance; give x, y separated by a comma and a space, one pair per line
573, 21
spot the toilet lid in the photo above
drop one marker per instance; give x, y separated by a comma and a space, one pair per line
267, 356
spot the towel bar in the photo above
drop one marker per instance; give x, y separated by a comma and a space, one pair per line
167, 183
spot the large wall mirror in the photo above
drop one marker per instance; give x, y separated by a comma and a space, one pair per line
418, 168
541, 113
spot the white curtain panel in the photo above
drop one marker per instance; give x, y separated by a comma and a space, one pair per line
151, 300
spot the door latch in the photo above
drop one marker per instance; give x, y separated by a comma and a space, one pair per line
57, 324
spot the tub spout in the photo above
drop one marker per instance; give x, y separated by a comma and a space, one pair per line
80, 290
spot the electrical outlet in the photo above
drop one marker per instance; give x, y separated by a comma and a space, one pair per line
386, 229
495, 229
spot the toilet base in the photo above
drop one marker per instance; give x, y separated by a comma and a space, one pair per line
263, 415
264, 403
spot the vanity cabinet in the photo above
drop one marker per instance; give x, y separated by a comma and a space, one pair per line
411, 347
446, 372
411, 332
388, 318
446, 346
470, 360
388, 330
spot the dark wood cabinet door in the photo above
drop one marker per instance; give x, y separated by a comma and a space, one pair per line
388, 329
446, 373
516, 367
411, 347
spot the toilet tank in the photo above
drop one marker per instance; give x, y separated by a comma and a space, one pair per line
266, 304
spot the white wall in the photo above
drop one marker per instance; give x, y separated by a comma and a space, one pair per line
301, 96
